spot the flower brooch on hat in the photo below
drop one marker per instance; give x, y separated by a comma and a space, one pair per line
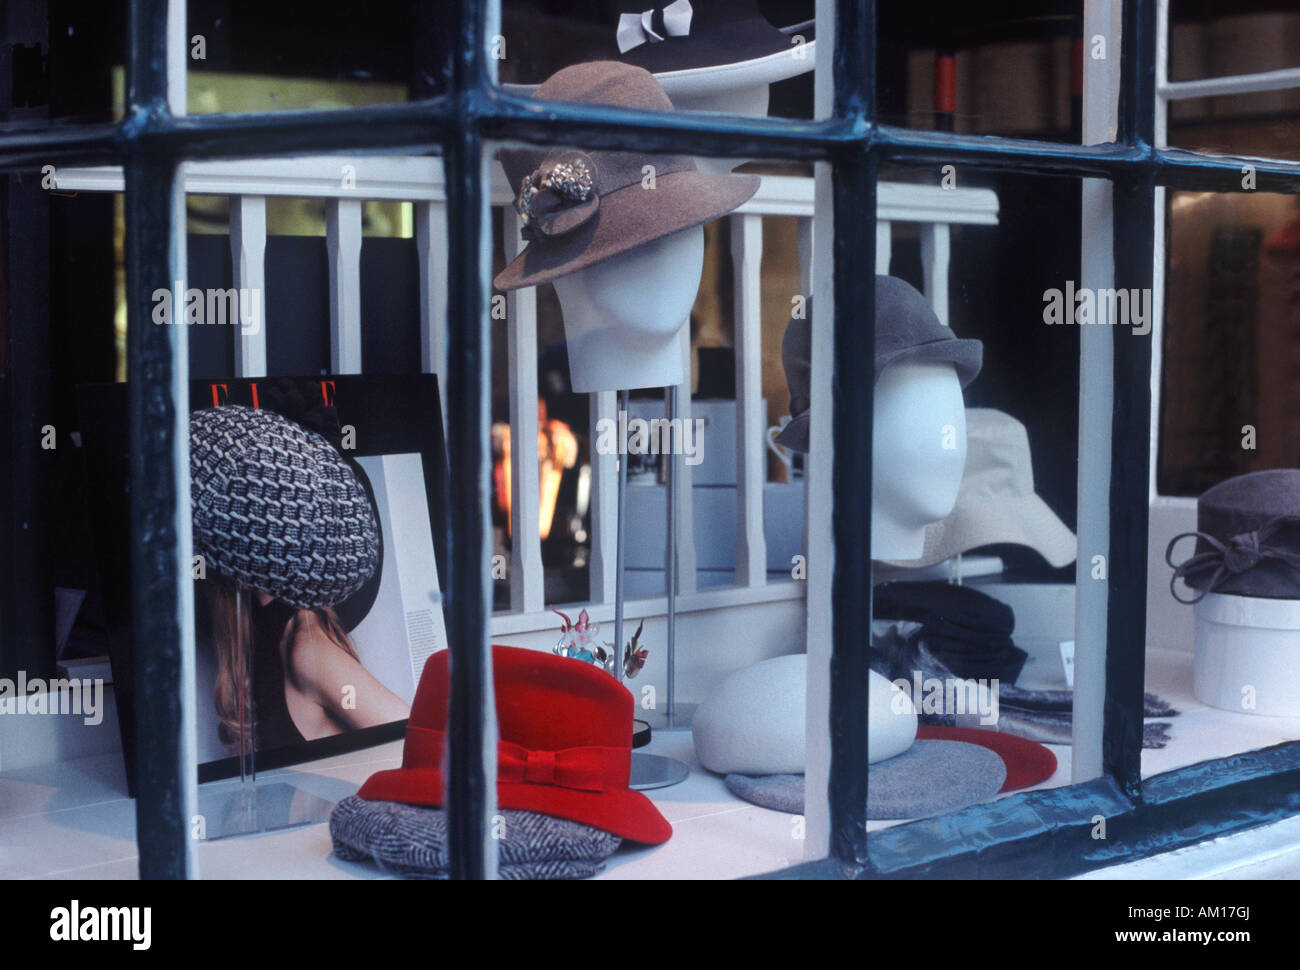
558, 196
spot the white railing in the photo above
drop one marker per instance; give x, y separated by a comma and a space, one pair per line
348, 181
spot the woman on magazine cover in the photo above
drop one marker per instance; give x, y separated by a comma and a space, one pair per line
286, 533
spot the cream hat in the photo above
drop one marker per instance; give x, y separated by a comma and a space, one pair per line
996, 503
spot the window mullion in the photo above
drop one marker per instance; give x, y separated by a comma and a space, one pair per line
853, 268
162, 607
471, 729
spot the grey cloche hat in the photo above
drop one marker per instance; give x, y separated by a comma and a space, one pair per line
906, 329
1247, 539
277, 508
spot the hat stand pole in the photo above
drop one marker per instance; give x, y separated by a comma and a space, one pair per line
653, 770
226, 812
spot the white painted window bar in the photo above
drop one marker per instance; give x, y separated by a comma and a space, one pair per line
346, 182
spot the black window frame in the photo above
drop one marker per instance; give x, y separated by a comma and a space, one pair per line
1042, 833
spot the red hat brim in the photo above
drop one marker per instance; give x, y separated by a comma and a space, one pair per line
1028, 762
624, 812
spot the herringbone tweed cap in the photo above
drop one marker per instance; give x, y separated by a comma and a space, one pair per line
277, 508
411, 841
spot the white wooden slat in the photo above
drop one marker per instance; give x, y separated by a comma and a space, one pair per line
248, 260
178, 57
1213, 87
685, 512
936, 242
1162, 80
420, 179
343, 240
751, 436
819, 547
527, 583
431, 245
883, 246
805, 246
604, 504
817, 509
1096, 393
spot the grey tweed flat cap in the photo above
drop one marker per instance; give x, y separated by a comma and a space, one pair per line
277, 508
411, 841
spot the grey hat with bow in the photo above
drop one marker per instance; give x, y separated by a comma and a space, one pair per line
1247, 539
906, 330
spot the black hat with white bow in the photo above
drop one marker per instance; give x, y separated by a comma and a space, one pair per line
662, 37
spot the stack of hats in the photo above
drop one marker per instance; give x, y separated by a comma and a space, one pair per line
752, 730
966, 629
1244, 579
563, 763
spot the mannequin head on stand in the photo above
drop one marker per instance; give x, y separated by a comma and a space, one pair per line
918, 454
619, 234
625, 318
919, 415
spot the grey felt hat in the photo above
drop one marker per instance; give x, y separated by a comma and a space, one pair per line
929, 778
277, 508
1247, 538
906, 330
411, 841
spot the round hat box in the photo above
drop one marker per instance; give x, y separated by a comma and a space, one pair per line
1248, 654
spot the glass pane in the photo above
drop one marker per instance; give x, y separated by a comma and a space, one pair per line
975, 497
1015, 73
1208, 38
247, 57
62, 61
1262, 125
1230, 383
687, 282
749, 57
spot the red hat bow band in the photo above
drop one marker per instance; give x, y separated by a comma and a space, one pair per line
587, 768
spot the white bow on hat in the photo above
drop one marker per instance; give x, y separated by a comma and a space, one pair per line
635, 29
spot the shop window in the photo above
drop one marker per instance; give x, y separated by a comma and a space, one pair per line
854, 191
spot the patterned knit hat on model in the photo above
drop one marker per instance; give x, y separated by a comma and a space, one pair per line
278, 509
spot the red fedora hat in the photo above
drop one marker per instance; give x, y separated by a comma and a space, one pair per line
565, 746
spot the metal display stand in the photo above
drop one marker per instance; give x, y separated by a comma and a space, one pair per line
650, 770
253, 808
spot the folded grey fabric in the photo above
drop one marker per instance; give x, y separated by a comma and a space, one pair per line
899, 648
1059, 728
411, 841
929, 778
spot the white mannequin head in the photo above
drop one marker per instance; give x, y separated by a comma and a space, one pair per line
918, 454
625, 318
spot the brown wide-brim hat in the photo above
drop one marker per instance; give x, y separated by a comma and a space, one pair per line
582, 208
907, 329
